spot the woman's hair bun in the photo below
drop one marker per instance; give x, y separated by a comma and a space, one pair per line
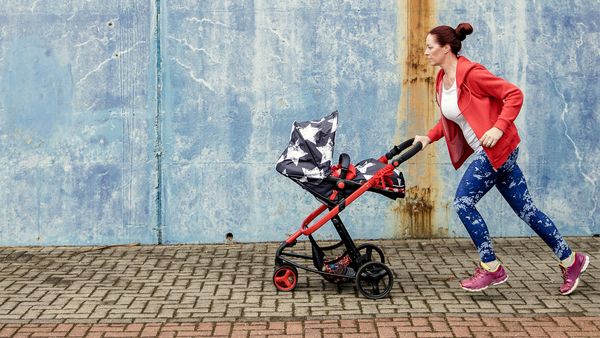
462, 30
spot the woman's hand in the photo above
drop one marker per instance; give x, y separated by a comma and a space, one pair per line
491, 137
423, 139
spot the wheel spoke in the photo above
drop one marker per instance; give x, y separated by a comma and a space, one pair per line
375, 288
285, 278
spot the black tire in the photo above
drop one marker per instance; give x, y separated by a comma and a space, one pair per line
367, 249
374, 280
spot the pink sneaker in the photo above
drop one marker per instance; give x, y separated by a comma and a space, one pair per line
482, 278
572, 273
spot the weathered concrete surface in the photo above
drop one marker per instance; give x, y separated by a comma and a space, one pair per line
81, 122
242, 72
239, 73
76, 122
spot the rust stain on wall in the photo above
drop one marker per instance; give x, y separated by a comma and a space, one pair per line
415, 215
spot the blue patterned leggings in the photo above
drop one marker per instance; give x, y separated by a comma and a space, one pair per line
479, 178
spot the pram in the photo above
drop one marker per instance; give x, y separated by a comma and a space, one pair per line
307, 161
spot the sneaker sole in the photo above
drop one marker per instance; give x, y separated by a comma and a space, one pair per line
585, 266
477, 290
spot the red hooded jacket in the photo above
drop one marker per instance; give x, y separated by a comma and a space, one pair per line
485, 101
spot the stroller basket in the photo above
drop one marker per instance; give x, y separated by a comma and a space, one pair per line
307, 160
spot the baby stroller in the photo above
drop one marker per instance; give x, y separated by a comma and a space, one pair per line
307, 161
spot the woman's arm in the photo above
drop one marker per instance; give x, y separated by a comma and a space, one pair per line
437, 132
433, 135
481, 80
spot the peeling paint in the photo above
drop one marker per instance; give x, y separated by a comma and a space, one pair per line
415, 214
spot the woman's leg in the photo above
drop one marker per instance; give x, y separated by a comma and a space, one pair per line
513, 187
479, 178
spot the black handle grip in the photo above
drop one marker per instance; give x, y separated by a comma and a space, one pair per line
399, 148
412, 151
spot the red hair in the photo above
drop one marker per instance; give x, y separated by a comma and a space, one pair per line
446, 35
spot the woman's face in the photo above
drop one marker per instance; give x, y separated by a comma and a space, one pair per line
434, 52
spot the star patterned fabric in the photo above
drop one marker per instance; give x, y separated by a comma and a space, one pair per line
308, 155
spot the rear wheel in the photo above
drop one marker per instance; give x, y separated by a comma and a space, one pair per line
371, 252
285, 277
374, 280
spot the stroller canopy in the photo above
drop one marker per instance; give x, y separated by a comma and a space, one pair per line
307, 157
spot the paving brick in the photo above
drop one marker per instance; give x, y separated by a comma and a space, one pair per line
150, 331
294, 328
222, 329
8, 331
202, 287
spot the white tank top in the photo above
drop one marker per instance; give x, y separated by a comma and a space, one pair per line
452, 112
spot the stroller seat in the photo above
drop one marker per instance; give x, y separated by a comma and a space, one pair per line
391, 186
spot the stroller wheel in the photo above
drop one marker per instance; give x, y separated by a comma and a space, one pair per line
371, 252
285, 277
374, 280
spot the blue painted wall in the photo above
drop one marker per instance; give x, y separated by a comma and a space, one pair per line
82, 119
76, 122
549, 49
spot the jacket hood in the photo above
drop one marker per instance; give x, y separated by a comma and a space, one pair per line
463, 68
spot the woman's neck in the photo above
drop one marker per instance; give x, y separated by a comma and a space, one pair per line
449, 66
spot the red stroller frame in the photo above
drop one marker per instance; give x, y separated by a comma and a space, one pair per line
373, 277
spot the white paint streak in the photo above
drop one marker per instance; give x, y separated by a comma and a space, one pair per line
580, 158
206, 20
191, 74
91, 106
103, 41
94, 70
278, 35
195, 49
114, 56
278, 58
32, 9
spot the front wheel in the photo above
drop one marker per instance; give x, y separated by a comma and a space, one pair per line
374, 280
285, 277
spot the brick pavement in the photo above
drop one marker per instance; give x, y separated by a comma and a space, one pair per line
226, 290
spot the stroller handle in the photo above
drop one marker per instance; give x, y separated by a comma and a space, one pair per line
397, 150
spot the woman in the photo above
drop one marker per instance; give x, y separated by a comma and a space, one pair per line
478, 111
